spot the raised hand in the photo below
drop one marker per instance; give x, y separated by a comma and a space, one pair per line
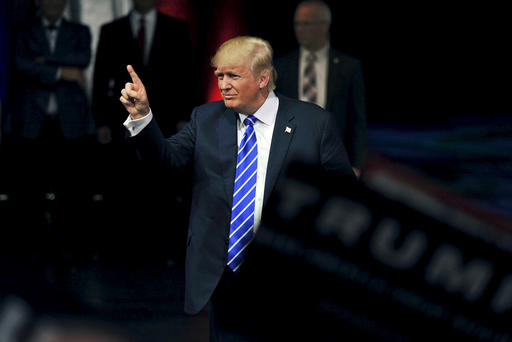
134, 97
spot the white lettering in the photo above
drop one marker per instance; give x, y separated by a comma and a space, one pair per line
294, 197
345, 219
446, 269
502, 301
384, 240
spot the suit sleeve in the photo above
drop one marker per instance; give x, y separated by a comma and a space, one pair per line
40, 73
175, 152
79, 53
106, 88
356, 117
100, 90
76, 54
333, 155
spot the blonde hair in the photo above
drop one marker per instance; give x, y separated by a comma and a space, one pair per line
238, 50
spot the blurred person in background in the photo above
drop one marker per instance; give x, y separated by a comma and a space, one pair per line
152, 42
50, 129
318, 73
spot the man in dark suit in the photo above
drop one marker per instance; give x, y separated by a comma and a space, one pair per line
50, 125
49, 115
166, 42
150, 41
338, 78
230, 188
50, 57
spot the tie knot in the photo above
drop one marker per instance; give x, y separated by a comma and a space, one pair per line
51, 27
311, 57
250, 120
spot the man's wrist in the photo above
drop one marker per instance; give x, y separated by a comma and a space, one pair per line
138, 116
134, 126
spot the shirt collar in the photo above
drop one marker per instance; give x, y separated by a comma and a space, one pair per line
320, 54
267, 112
150, 16
46, 23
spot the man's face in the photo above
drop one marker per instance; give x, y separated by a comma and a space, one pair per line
311, 29
144, 6
239, 88
51, 9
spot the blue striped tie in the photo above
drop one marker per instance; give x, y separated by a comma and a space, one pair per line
244, 194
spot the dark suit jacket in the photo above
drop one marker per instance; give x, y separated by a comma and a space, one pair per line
345, 96
36, 80
168, 76
209, 141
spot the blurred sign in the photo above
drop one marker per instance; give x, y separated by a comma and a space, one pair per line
375, 260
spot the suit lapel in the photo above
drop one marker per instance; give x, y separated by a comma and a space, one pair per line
63, 36
126, 45
156, 39
40, 34
284, 130
228, 149
294, 73
334, 66
125, 31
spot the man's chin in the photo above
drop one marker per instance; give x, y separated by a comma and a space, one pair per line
229, 103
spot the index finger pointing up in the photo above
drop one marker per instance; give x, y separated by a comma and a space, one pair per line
133, 75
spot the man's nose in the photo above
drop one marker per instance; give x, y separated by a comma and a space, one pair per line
225, 83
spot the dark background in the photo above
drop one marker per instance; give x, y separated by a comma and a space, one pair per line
437, 79
438, 96
423, 61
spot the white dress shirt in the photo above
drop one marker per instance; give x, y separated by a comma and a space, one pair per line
321, 71
264, 128
149, 30
52, 35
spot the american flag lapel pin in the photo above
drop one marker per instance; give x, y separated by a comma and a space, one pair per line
288, 129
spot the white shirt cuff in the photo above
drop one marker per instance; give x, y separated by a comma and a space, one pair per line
135, 126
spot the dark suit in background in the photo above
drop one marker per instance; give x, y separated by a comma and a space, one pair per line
37, 79
170, 58
345, 97
50, 151
344, 87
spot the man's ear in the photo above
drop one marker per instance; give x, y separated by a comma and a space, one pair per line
264, 79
